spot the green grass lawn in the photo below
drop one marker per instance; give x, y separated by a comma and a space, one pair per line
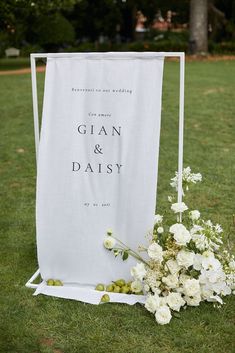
45, 324
15, 63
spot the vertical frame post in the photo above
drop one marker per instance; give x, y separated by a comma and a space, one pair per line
181, 131
35, 103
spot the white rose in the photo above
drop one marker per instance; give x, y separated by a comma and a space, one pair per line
158, 219
181, 234
152, 303
193, 301
155, 252
175, 301
173, 266
194, 215
136, 286
163, 315
109, 242
185, 258
179, 207
138, 271
171, 281
192, 287
160, 230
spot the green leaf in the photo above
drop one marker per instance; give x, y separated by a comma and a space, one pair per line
176, 315
125, 255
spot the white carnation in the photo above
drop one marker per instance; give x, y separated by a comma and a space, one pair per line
185, 258
181, 234
179, 207
109, 242
194, 215
192, 287
138, 271
152, 303
175, 301
171, 281
173, 266
163, 315
183, 278
155, 252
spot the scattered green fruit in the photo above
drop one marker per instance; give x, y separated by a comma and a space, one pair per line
109, 288
116, 289
100, 287
125, 289
120, 282
50, 282
105, 298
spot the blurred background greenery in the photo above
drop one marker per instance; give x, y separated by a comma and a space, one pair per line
193, 26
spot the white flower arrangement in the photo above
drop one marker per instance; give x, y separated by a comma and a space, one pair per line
186, 261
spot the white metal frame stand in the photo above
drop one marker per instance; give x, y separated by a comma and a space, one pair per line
179, 55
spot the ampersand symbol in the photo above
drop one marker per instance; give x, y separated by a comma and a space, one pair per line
98, 149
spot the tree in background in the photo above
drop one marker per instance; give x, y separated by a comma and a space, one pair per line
55, 24
198, 26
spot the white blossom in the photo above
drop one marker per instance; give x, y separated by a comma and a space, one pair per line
136, 286
171, 281
197, 262
163, 315
193, 301
175, 301
185, 258
158, 219
109, 242
173, 266
180, 234
210, 262
191, 287
160, 230
179, 207
155, 252
232, 265
138, 271
152, 303
194, 215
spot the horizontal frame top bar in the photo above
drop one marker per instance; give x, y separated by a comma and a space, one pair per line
110, 54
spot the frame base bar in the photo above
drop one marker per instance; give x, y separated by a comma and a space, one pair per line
30, 283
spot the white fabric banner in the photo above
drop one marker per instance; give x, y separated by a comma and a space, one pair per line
97, 167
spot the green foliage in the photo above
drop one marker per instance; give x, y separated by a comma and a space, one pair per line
54, 30
46, 324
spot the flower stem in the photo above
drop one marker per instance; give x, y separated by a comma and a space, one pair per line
130, 251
